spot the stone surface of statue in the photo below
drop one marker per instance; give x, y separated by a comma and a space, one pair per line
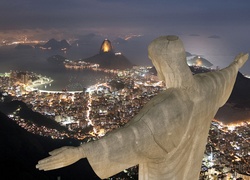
167, 138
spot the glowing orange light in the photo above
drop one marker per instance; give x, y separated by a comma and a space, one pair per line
198, 62
106, 46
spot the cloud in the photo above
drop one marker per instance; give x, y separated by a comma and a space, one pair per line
214, 37
194, 35
118, 17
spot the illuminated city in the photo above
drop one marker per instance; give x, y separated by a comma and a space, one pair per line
103, 107
73, 71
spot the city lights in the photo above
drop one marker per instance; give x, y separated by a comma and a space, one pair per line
105, 108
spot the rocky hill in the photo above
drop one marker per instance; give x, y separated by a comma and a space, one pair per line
107, 58
110, 60
53, 44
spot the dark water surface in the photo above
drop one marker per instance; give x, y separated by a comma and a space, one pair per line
35, 60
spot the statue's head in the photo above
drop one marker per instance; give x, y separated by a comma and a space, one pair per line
168, 55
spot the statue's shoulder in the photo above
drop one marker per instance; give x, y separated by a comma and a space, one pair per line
167, 103
173, 95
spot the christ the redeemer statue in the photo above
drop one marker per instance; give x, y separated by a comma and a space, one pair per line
167, 138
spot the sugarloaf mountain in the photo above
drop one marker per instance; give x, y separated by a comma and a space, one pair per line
107, 58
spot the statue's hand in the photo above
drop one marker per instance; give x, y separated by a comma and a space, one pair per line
61, 157
240, 59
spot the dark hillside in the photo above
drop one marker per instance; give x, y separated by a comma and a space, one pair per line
21, 150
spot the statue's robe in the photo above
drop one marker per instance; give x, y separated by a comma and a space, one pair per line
168, 137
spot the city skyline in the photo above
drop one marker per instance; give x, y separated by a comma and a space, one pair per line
216, 30
223, 137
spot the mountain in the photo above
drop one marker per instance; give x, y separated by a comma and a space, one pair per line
108, 59
237, 107
56, 45
199, 61
188, 54
241, 91
21, 150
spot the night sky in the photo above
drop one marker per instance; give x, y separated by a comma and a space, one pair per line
218, 30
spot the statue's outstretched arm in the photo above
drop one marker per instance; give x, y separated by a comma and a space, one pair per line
61, 157
240, 59
138, 142
228, 76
